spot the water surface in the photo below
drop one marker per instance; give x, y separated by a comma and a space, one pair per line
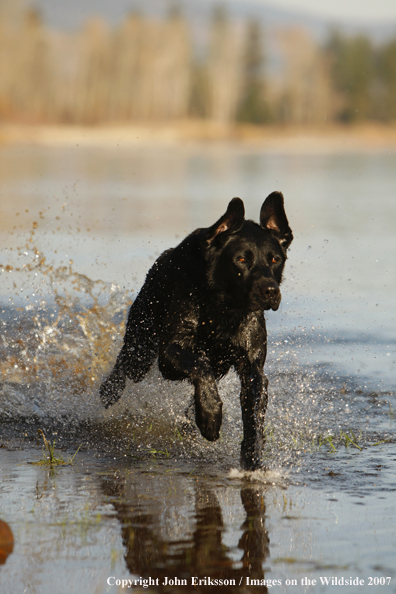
146, 495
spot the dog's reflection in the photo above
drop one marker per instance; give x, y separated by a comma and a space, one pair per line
181, 538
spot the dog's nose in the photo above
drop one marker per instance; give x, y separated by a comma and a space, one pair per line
270, 291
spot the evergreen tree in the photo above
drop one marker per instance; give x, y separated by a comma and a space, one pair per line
253, 106
387, 77
352, 75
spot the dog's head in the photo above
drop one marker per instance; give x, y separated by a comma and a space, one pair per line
246, 260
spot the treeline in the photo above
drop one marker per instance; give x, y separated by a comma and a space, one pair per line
148, 69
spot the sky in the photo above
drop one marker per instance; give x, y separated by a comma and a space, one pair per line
361, 10
359, 13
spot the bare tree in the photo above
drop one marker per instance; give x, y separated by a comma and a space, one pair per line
224, 66
30, 88
303, 94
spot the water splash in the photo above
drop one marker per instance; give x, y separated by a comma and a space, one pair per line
56, 348
61, 338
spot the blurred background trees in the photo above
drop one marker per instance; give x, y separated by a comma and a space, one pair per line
148, 69
253, 100
352, 75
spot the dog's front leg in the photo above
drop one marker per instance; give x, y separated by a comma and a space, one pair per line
177, 363
208, 406
254, 397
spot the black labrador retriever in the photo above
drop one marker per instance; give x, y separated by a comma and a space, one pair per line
201, 312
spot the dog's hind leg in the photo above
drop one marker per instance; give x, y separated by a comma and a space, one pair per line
133, 362
113, 386
137, 355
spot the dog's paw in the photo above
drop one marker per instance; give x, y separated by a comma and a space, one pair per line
251, 463
112, 388
209, 420
209, 428
251, 457
208, 409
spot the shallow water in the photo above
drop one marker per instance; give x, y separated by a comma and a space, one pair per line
146, 496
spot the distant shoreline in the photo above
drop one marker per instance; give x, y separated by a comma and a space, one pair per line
276, 139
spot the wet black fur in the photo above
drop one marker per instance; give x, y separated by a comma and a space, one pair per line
200, 312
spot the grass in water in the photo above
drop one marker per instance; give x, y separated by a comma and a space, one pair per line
155, 452
302, 440
350, 439
49, 457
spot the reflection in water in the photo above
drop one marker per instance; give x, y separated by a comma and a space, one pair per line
177, 537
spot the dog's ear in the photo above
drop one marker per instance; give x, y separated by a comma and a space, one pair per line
231, 221
273, 218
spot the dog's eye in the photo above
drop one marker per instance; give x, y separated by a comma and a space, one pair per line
274, 260
242, 259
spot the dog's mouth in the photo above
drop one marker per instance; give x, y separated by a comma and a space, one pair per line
265, 296
269, 294
274, 306
261, 297
257, 303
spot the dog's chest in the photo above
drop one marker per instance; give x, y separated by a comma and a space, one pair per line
225, 339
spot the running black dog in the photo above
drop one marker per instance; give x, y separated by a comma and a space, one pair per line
200, 312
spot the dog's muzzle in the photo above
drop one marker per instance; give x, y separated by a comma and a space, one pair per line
271, 294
